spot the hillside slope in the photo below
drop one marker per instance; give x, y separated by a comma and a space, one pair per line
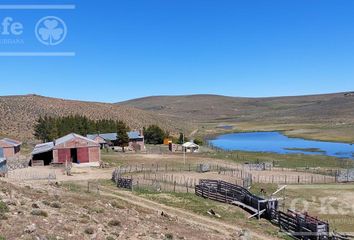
328, 107
322, 112
19, 114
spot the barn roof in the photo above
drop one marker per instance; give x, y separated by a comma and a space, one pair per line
7, 142
43, 147
70, 137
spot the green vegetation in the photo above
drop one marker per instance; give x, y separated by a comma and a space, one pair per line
193, 203
50, 128
284, 160
38, 212
122, 135
201, 206
182, 139
154, 135
3, 210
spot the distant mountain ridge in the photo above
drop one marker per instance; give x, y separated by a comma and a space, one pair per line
336, 108
19, 114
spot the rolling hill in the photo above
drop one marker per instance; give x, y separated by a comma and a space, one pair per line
19, 114
307, 116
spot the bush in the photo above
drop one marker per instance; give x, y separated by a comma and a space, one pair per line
37, 212
89, 230
2, 238
168, 236
115, 204
55, 205
3, 207
199, 141
114, 223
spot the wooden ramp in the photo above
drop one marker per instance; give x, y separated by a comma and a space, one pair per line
240, 204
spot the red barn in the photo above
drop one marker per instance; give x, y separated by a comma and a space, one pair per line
70, 148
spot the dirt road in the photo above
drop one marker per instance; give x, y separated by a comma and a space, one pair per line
184, 216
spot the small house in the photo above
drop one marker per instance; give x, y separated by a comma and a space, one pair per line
100, 140
72, 148
190, 147
136, 139
11, 148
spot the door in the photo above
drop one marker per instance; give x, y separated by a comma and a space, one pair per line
83, 155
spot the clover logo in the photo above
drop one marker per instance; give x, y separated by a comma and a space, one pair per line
51, 30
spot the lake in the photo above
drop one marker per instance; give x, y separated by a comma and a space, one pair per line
278, 143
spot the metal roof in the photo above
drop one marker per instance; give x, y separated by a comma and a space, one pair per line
134, 135
7, 142
1, 153
43, 147
190, 144
114, 136
70, 137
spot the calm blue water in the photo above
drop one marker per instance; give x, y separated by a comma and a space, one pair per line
278, 143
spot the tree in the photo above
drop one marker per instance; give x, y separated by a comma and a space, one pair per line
182, 139
198, 141
122, 135
154, 135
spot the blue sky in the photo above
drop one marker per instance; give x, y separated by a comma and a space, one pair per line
128, 49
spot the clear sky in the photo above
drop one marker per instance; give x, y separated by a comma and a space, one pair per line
136, 48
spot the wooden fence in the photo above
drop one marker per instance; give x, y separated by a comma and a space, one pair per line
225, 192
300, 226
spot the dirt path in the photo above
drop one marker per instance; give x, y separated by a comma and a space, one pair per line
185, 216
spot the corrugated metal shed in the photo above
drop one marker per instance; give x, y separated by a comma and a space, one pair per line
42, 148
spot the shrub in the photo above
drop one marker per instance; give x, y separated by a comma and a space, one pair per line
55, 205
115, 204
38, 212
168, 236
45, 202
89, 230
114, 223
3, 207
